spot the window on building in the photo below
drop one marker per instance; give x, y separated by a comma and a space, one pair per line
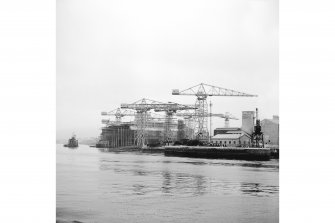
234, 142
229, 142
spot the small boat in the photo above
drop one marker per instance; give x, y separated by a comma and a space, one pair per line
73, 142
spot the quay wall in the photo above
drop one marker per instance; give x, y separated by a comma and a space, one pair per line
204, 152
219, 152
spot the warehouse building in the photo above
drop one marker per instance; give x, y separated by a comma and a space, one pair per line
234, 136
239, 139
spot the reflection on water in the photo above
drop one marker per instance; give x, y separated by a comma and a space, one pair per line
166, 188
191, 184
95, 186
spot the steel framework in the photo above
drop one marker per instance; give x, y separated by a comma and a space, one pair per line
118, 113
202, 91
142, 107
170, 109
257, 138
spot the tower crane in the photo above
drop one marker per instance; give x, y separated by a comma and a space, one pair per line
202, 91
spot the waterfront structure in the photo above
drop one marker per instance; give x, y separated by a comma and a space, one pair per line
219, 152
233, 138
270, 128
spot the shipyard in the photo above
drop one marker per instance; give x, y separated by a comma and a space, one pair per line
175, 111
186, 129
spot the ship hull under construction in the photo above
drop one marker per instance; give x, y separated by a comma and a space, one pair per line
124, 135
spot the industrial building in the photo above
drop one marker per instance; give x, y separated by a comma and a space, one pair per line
267, 130
231, 137
270, 128
239, 139
234, 136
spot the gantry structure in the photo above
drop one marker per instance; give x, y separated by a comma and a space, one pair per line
170, 110
202, 92
142, 107
119, 114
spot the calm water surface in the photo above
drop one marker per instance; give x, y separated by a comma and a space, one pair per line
95, 186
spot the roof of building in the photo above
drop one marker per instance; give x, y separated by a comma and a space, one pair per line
234, 132
229, 128
227, 136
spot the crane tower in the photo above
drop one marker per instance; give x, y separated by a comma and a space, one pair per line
202, 91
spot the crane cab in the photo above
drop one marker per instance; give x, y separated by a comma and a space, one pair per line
175, 92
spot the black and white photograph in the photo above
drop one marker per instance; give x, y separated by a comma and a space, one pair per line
167, 111
146, 111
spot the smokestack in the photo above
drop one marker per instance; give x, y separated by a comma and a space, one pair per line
256, 113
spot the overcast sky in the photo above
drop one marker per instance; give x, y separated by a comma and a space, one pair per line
112, 52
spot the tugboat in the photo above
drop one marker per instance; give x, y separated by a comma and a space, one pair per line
73, 142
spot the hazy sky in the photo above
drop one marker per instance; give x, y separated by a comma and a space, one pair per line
112, 52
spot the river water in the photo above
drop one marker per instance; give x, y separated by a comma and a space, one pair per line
95, 186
